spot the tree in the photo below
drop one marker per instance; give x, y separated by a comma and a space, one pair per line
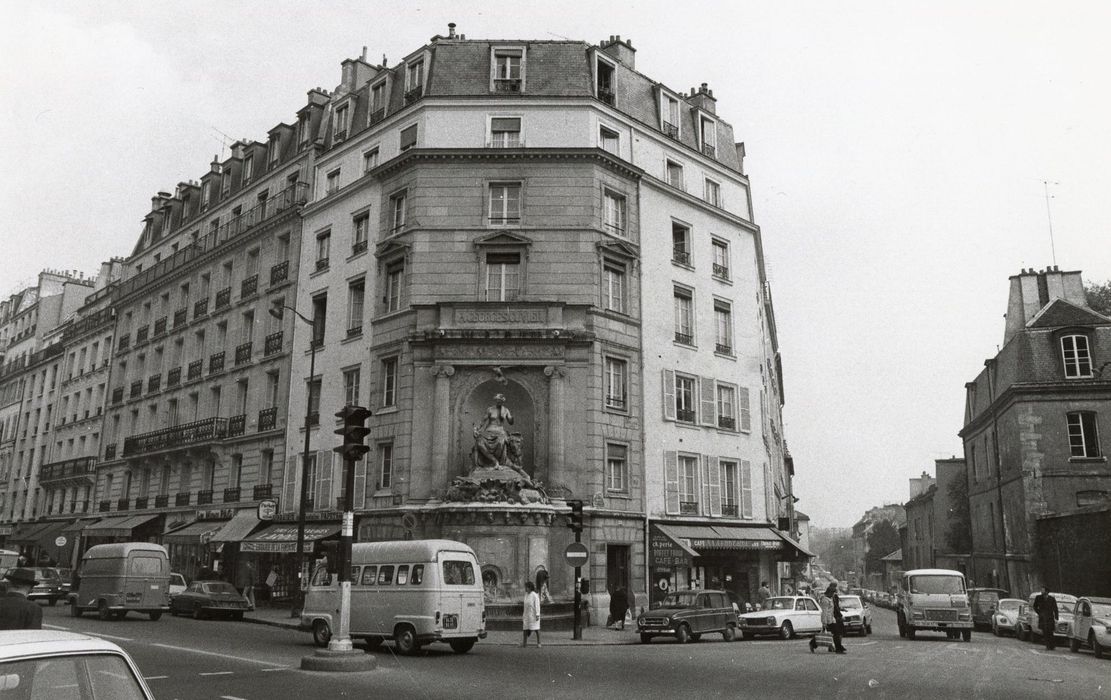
882, 540
958, 531
1099, 297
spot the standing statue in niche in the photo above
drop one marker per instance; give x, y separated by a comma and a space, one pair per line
491, 437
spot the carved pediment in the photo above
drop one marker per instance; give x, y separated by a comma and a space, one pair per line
502, 238
620, 249
391, 249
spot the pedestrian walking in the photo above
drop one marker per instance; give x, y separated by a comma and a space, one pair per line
530, 618
249, 581
619, 605
763, 594
16, 612
838, 620
1045, 605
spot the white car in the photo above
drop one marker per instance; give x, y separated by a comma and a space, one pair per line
177, 584
47, 664
856, 614
783, 616
1005, 617
1091, 625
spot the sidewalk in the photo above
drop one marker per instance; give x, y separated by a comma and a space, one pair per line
591, 636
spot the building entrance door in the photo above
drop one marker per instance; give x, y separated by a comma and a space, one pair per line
617, 567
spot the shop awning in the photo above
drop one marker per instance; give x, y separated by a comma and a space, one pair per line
240, 526
794, 545
193, 533
118, 526
282, 537
716, 538
668, 551
46, 536
27, 533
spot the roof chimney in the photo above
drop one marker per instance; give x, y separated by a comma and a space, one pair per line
451, 30
703, 98
1031, 291
623, 51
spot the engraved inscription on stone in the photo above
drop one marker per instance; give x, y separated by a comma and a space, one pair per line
474, 317
465, 352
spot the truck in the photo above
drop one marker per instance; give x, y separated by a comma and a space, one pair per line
934, 600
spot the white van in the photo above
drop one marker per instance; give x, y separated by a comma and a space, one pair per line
934, 600
412, 591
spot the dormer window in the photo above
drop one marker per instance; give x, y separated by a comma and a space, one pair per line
414, 81
274, 151
508, 69
378, 102
225, 184
167, 220
707, 136
1076, 356
605, 81
248, 168
408, 137
303, 129
669, 115
339, 132
206, 194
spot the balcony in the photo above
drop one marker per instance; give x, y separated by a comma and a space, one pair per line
684, 338
721, 271
104, 506
262, 491
243, 353
688, 507
249, 287
110, 451
354, 331
142, 334
123, 504
708, 150
124, 341
183, 498
196, 369
195, 433
142, 502
313, 418
321, 264
358, 247
200, 308
377, 115
671, 131
729, 509
69, 472
605, 95
615, 402
162, 501
723, 349
216, 362
507, 85
681, 256
136, 389
117, 395
173, 377
223, 298
272, 344
414, 94
727, 422
154, 383
267, 419
237, 425
279, 273
204, 498
231, 495
180, 317
160, 327
685, 415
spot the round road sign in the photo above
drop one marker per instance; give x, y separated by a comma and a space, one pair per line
576, 554
60, 542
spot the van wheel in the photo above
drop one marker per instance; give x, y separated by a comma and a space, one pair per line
462, 646
103, 612
683, 634
645, 638
868, 629
156, 616
729, 633
405, 639
786, 631
910, 632
321, 633
373, 643
966, 635
74, 609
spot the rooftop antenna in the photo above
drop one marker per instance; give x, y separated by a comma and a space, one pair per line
224, 141
1049, 216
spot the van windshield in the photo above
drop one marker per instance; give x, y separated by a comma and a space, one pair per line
934, 584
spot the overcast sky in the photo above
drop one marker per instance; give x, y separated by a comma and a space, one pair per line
897, 153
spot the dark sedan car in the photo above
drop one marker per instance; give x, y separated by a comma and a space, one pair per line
48, 585
210, 599
687, 615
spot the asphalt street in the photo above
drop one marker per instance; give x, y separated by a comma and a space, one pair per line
185, 659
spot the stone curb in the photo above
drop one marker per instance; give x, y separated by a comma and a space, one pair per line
339, 661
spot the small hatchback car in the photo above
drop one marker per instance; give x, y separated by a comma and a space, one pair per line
48, 664
1091, 625
687, 615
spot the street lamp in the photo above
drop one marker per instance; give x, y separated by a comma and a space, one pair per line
278, 311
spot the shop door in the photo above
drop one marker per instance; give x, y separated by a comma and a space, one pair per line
617, 568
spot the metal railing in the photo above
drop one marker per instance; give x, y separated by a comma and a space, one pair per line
721, 271
141, 334
262, 491
268, 418
686, 415
237, 425
123, 504
104, 506
684, 338
110, 451
708, 150
77, 468
117, 395
216, 362
671, 130
183, 498
136, 389
507, 85
727, 422
729, 509
279, 273
414, 94
160, 327
154, 383
681, 256
204, 498
605, 95
272, 344
243, 353
173, 377
223, 298
358, 247
248, 287
688, 507
377, 115
162, 501
180, 317
196, 369
231, 495
124, 342
197, 432
723, 349
615, 402
142, 502
200, 308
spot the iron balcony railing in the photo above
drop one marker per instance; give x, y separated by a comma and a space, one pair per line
273, 208
231, 495
377, 115
104, 506
162, 500
117, 395
268, 419
681, 256
173, 377
200, 308
124, 342
248, 287
279, 273
180, 317
196, 369
204, 498
723, 349
216, 362
414, 94
262, 491
160, 327
237, 425
727, 422
183, 498
708, 149
136, 389
615, 402
688, 507
686, 415
197, 432
272, 344
243, 353
154, 383
671, 130
88, 323
123, 504
354, 331
721, 271
110, 451
77, 468
684, 338
605, 95
358, 247
223, 298
729, 509
142, 334
507, 85
142, 502
321, 264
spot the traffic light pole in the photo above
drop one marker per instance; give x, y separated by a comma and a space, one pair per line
578, 630
352, 449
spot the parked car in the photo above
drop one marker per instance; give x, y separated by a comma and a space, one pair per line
48, 585
856, 614
39, 665
1028, 619
687, 615
1005, 618
66, 574
177, 584
1091, 625
783, 616
983, 601
203, 599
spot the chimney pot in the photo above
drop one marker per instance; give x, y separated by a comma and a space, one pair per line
451, 30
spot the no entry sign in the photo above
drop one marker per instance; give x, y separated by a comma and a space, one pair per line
576, 554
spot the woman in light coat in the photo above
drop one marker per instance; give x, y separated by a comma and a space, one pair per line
530, 619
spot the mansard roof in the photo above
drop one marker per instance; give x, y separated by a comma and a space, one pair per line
1060, 313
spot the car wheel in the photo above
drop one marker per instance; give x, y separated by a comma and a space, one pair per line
747, 636
321, 633
683, 634
198, 614
994, 629
102, 611
1097, 648
645, 638
966, 635
156, 616
910, 632
867, 629
405, 639
462, 646
1074, 644
74, 608
729, 633
237, 616
786, 631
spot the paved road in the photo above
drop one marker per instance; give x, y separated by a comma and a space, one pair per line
186, 659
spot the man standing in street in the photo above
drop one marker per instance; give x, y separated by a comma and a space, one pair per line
763, 594
16, 612
1045, 605
838, 619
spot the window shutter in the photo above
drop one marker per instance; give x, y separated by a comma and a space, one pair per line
746, 488
360, 484
323, 500
671, 482
669, 395
708, 401
713, 485
745, 411
505, 123
409, 136
289, 485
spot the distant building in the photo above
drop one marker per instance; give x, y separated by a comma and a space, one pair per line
934, 519
893, 513
1036, 422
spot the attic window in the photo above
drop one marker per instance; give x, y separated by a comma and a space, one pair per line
1076, 356
341, 122
508, 70
605, 81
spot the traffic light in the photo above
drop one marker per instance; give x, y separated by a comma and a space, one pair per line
354, 431
576, 520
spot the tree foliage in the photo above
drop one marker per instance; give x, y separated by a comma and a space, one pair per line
958, 531
882, 540
1099, 297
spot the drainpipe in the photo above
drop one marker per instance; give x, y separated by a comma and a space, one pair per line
1006, 577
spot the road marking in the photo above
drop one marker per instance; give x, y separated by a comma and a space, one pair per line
231, 697
283, 668
155, 678
216, 653
1055, 655
217, 673
91, 634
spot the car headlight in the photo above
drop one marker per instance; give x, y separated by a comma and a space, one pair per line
965, 617
640, 621
771, 621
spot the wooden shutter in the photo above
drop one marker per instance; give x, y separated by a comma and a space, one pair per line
743, 408
360, 483
708, 402
323, 500
712, 475
669, 395
671, 482
409, 136
289, 485
746, 488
